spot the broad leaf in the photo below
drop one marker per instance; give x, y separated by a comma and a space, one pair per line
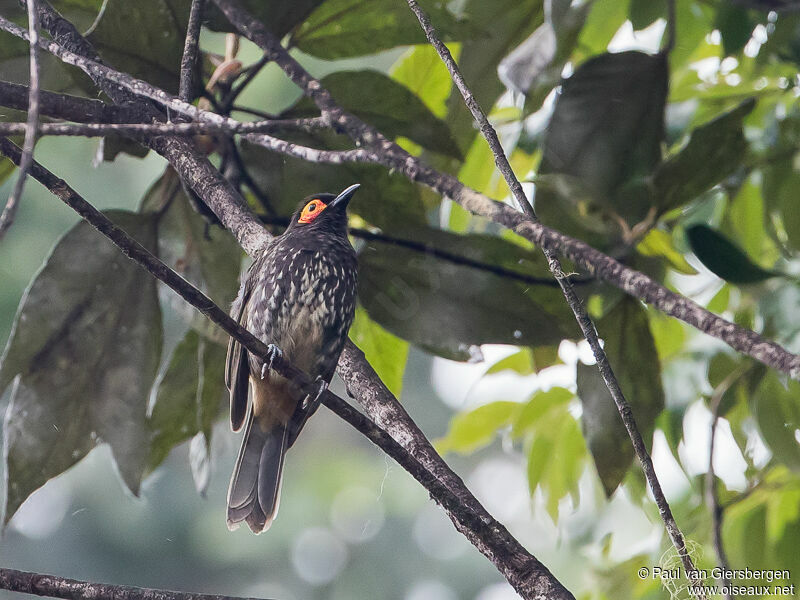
448, 307
279, 16
385, 352
342, 28
724, 258
385, 104
189, 399
206, 256
144, 39
83, 354
659, 243
422, 71
632, 353
555, 446
713, 152
477, 428
606, 131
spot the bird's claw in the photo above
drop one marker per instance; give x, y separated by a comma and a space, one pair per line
273, 353
313, 403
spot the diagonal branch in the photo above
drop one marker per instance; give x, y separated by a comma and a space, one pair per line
581, 316
52, 586
395, 433
10, 211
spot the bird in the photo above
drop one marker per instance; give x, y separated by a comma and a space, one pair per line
299, 298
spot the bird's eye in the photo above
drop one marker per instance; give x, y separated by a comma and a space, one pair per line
312, 207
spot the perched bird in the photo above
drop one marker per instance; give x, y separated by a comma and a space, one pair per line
299, 297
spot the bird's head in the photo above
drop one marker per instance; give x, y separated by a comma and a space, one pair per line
326, 212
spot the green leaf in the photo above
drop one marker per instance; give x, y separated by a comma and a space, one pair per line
189, 399
714, 151
605, 19
446, 307
643, 12
736, 25
386, 353
83, 354
476, 429
527, 361
385, 104
144, 39
555, 446
206, 256
632, 354
527, 418
422, 71
606, 131
777, 410
279, 16
343, 28
724, 258
659, 243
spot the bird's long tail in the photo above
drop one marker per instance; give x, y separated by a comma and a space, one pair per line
254, 492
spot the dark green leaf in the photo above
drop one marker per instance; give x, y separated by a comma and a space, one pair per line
385, 104
632, 353
144, 39
206, 256
475, 429
83, 355
342, 28
447, 307
736, 25
189, 398
643, 12
279, 16
385, 352
714, 151
606, 132
724, 258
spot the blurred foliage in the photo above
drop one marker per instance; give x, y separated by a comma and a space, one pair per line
681, 163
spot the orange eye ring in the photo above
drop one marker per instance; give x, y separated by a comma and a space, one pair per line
312, 210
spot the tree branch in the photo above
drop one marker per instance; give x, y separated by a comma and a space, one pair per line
39, 584
585, 257
7, 216
395, 433
581, 316
154, 129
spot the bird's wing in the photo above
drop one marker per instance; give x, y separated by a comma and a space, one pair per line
237, 368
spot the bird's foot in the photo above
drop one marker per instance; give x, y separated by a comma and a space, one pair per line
273, 353
311, 404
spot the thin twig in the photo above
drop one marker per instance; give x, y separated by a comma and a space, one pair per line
151, 129
581, 316
392, 431
190, 51
53, 586
10, 210
588, 259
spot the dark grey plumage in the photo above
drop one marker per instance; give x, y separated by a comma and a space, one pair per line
299, 295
